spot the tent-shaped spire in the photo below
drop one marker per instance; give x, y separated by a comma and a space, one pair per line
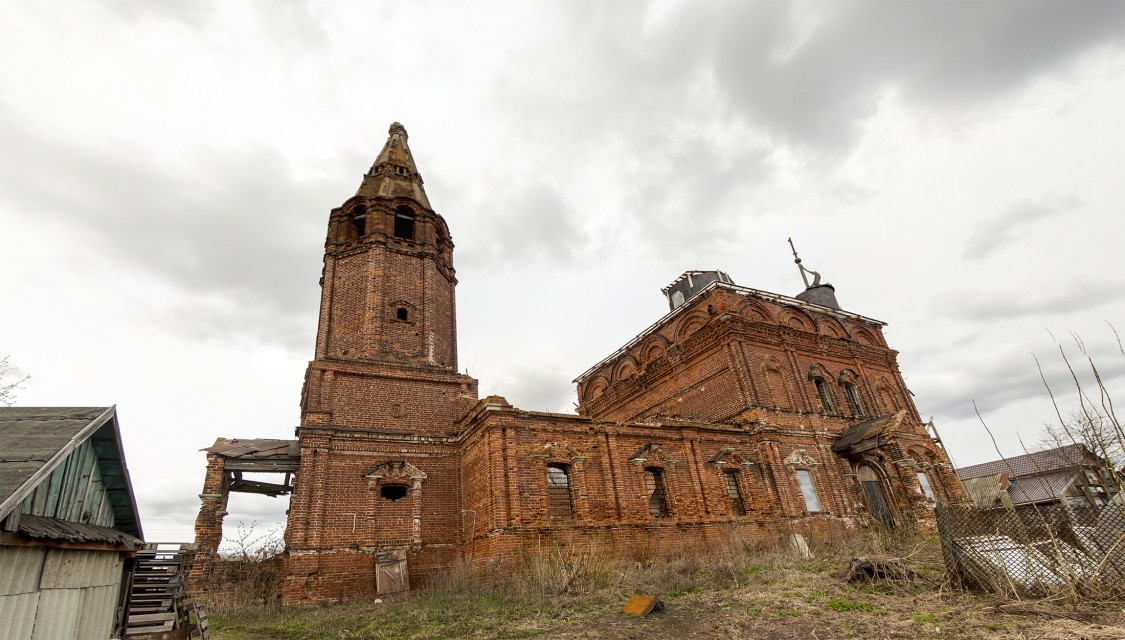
394, 173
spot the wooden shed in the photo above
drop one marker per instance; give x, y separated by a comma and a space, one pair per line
68, 523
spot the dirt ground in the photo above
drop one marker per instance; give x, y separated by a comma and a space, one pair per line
780, 616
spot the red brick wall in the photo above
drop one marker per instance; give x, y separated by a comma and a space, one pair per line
722, 383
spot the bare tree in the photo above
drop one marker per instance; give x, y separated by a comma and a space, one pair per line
9, 383
1092, 429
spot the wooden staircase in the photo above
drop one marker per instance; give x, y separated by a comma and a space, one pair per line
157, 606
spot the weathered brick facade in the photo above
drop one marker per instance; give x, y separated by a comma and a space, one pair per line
703, 426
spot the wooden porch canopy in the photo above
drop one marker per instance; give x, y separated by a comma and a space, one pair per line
867, 435
258, 456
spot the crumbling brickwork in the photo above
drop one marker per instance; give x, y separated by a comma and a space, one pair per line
740, 412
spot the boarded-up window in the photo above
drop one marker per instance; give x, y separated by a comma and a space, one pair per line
657, 496
808, 491
777, 388
737, 506
559, 503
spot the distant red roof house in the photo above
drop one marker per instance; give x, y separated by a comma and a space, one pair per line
1067, 475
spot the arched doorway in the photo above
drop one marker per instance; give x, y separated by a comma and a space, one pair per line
876, 499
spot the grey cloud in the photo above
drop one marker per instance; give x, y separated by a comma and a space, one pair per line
933, 54
538, 388
1018, 299
1004, 229
290, 22
236, 231
286, 22
194, 13
690, 194
806, 74
998, 382
768, 75
529, 222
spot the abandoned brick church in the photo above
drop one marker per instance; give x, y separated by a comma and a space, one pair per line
738, 412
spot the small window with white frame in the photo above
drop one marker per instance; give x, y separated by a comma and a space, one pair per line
808, 491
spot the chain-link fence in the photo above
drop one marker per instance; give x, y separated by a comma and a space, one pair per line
1035, 549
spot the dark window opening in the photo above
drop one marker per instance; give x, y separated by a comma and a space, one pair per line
737, 506
393, 492
852, 395
559, 502
359, 221
402, 314
400, 171
657, 496
404, 223
825, 396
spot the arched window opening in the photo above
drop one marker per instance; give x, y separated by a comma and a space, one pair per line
873, 491
924, 485
852, 396
559, 502
402, 314
825, 395
808, 491
657, 495
393, 492
737, 506
404, 223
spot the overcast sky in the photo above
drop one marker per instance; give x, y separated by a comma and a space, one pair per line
167, 170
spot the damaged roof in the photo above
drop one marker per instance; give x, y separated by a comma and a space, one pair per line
257, 448
56, 529
857, 436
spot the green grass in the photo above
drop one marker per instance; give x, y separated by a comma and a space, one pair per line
840, 604
922, 618
564, 596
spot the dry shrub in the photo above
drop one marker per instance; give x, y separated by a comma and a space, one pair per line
248, 576
557, 570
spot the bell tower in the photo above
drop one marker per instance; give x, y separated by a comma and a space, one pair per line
387, 308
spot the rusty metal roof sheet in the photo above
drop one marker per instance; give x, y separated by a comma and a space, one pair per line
55, 529
257, 448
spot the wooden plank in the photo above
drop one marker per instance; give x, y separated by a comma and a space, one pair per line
152, 617
150, 629
263, 466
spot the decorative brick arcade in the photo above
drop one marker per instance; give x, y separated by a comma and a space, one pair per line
740, 412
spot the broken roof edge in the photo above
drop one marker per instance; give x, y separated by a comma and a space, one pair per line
773, 297
226, 448
42, 528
